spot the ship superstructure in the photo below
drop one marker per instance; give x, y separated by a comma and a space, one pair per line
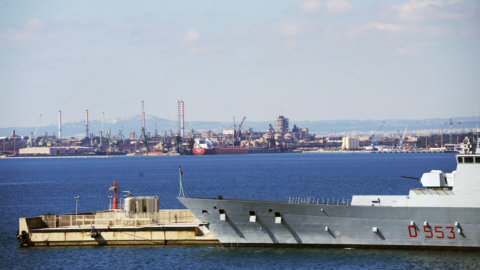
443, 214
202, 147
206, 147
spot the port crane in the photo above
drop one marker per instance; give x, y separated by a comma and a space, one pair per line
451, 128
34, 133
237, 133
144, 140
112, 141
270, 129
402, 138
271, 142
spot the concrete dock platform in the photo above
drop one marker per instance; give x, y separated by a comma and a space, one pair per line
114, 227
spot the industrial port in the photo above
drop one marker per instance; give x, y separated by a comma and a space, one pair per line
281, 138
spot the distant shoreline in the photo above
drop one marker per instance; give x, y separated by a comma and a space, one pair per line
304, 152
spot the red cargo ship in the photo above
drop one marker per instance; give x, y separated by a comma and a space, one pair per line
202, 147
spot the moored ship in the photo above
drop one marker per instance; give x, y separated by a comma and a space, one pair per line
224, 150
445, 213
205, 147
202, 147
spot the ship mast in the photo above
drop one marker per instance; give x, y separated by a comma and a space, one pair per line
180, 173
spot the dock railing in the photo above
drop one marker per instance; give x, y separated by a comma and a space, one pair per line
120, 219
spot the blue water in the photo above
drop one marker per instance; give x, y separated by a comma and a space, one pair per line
31, 187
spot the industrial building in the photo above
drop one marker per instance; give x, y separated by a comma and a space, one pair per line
300, 133
56, 151
282, 124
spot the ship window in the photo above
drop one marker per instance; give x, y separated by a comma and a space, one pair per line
251, 213
477, 160
468, 159
204, 212
460, 159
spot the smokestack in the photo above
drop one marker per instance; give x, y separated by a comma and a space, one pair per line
143, 116
86, 123
181, 127
103, 120
60, 125
183, 115
178, 117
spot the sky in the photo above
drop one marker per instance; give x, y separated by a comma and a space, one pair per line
307, 60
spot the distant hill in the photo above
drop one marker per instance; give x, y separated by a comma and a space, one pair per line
323, 127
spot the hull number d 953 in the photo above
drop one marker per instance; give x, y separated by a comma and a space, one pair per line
433, 232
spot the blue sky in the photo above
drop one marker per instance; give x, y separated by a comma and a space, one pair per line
308, 60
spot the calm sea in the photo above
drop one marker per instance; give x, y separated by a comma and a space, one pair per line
31, 187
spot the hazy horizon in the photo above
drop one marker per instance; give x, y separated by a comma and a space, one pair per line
309, 60
237, 119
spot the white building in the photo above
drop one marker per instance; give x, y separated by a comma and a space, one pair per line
350, 143
228, 132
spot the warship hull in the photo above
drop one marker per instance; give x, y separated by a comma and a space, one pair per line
268, 223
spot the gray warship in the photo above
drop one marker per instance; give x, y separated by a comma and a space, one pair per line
444, 214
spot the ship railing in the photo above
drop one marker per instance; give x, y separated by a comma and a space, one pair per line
318, 200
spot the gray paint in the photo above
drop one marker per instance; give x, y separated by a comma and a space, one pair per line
437, 216
348, 225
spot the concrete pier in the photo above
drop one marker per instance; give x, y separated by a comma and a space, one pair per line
114, 227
